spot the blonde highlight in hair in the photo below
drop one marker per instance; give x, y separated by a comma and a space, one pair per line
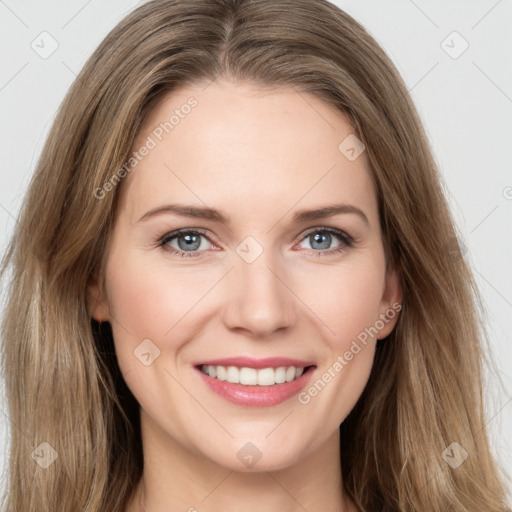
63, 384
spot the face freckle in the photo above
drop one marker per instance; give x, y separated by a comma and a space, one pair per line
256, 275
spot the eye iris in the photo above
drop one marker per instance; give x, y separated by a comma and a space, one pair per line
192, 242
321, 237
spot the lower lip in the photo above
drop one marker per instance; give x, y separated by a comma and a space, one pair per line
256, 396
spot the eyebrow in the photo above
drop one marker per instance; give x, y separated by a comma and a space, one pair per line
206, 213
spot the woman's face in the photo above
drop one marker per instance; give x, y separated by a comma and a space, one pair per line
279, 257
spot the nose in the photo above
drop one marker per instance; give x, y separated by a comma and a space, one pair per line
259, 300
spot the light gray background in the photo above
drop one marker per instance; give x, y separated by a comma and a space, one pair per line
465, 103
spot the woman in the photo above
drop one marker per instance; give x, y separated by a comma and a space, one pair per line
176, 339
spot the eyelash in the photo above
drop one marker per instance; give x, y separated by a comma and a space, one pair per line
345, 239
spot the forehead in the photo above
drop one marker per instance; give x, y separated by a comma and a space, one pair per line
237, 145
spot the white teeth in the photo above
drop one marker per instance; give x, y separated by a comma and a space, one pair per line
221, 373
280, 375
266, 377
248, 376
232, 374
252, 376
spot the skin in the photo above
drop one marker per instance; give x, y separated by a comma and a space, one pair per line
258, 156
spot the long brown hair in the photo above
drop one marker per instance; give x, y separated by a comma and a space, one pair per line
63, 384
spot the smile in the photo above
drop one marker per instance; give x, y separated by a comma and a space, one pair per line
252, 387
252, 376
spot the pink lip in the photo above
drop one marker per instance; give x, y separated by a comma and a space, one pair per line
249, 362
256, 396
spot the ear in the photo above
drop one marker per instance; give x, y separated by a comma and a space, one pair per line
391, 302
97, 305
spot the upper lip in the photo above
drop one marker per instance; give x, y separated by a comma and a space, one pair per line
250, 362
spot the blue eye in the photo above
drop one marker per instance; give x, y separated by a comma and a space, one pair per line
189, 243
321, 238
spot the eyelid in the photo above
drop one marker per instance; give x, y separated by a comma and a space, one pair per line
346, 240
172, 234
328, 229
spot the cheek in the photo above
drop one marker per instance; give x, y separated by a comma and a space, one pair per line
150, 307
148, 298
348, 309
346, 298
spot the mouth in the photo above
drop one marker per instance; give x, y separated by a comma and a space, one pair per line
248, 376
255, 387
